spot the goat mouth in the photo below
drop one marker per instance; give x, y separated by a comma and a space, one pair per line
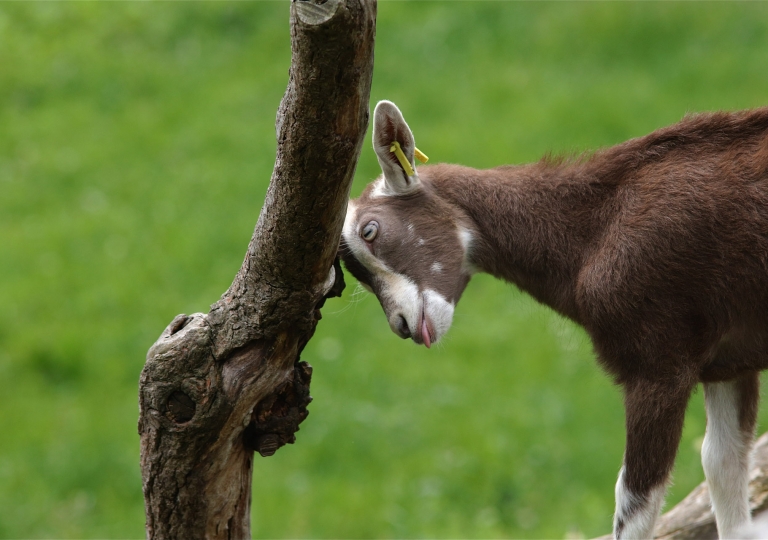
423, 332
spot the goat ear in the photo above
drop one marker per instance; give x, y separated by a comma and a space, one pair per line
389, 127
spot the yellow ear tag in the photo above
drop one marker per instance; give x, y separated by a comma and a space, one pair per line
401, 158
421, 156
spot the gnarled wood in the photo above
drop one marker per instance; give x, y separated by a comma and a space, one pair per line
218, 386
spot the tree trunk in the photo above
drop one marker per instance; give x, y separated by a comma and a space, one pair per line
692, 518
217, 386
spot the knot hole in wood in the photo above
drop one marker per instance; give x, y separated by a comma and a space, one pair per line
181, 407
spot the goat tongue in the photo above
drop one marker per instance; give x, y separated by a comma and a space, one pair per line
425, 332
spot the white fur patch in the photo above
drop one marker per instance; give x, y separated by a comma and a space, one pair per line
382, 188
638, 517
349, 222
757, 530
403, 295
436, 268
465, 239
725, 457
439, 312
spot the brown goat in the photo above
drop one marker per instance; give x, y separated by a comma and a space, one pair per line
658, 247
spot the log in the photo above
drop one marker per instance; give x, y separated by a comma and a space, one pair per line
692, 518
218, 386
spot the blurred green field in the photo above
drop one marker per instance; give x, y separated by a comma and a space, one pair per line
136, 144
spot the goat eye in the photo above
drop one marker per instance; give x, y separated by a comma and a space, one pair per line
370, 231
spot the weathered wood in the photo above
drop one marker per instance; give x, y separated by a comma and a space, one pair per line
692, 518
217, 386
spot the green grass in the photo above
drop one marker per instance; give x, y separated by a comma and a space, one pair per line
136, 144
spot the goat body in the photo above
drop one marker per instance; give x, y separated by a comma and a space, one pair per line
658, 247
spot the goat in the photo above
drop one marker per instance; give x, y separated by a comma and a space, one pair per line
658, 247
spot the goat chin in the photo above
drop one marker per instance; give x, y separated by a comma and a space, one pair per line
439, 312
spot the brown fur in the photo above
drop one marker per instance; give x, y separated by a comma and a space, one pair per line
658, 247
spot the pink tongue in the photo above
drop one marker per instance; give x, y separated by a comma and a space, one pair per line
425, 333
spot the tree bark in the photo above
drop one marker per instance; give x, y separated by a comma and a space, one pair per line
217, 386
692, 518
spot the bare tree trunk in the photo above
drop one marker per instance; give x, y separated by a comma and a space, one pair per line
216, 387
692, 518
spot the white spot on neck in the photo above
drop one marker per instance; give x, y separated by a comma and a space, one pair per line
420, 241
465, 239
436, 268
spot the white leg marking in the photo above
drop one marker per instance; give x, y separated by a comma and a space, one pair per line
757, 530
636, 515
725, 457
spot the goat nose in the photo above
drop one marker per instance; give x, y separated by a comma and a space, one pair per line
402, 327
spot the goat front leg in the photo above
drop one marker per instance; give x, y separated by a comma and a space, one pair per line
731, 415
655, 410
